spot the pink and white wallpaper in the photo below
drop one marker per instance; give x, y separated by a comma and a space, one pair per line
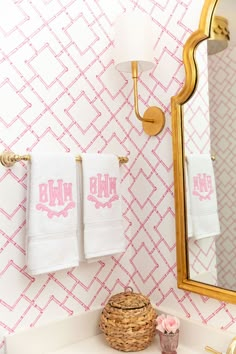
59, 91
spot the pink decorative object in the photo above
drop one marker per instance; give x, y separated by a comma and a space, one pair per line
159, 320
169, 342
167, 324
168, 330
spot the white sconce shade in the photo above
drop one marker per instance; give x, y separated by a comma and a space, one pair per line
134, 41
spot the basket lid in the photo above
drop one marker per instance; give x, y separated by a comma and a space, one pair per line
128, 300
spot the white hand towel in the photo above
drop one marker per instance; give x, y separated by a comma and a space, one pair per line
52, 213
80, 229
103, 229
202, 192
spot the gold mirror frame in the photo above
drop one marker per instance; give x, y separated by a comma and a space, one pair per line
177, 102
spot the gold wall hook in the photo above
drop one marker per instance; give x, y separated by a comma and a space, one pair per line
153, 119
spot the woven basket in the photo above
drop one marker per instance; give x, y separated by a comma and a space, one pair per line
128, 321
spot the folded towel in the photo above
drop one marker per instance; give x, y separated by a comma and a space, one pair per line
203, 200
103, 229
51, 213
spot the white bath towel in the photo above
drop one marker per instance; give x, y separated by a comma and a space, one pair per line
203, 199
103, 227
51, 213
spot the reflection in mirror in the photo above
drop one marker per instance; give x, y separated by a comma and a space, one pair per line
220, 35
197, 142
204, 134
209, 128
222, 103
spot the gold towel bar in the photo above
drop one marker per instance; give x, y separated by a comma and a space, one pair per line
8, 158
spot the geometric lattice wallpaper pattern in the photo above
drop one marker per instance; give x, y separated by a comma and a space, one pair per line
59, 91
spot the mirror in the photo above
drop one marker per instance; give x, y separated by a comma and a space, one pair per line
203, 124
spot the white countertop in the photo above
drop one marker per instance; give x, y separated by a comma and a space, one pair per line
81, 334
98, 345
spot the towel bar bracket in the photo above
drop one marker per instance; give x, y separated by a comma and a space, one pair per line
8, 158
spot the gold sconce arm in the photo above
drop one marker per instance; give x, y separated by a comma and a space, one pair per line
153, 119
134, 65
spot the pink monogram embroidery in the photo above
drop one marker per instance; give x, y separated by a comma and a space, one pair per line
52, 213
103, 187
51, 195
202, 186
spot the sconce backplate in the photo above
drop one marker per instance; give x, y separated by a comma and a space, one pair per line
158, 121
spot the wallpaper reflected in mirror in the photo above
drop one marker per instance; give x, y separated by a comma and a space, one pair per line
222, 99
210, 128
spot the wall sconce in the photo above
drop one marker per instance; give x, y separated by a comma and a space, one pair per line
220, 35
134, 41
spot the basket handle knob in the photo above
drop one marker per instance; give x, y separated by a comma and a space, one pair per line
128, 289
